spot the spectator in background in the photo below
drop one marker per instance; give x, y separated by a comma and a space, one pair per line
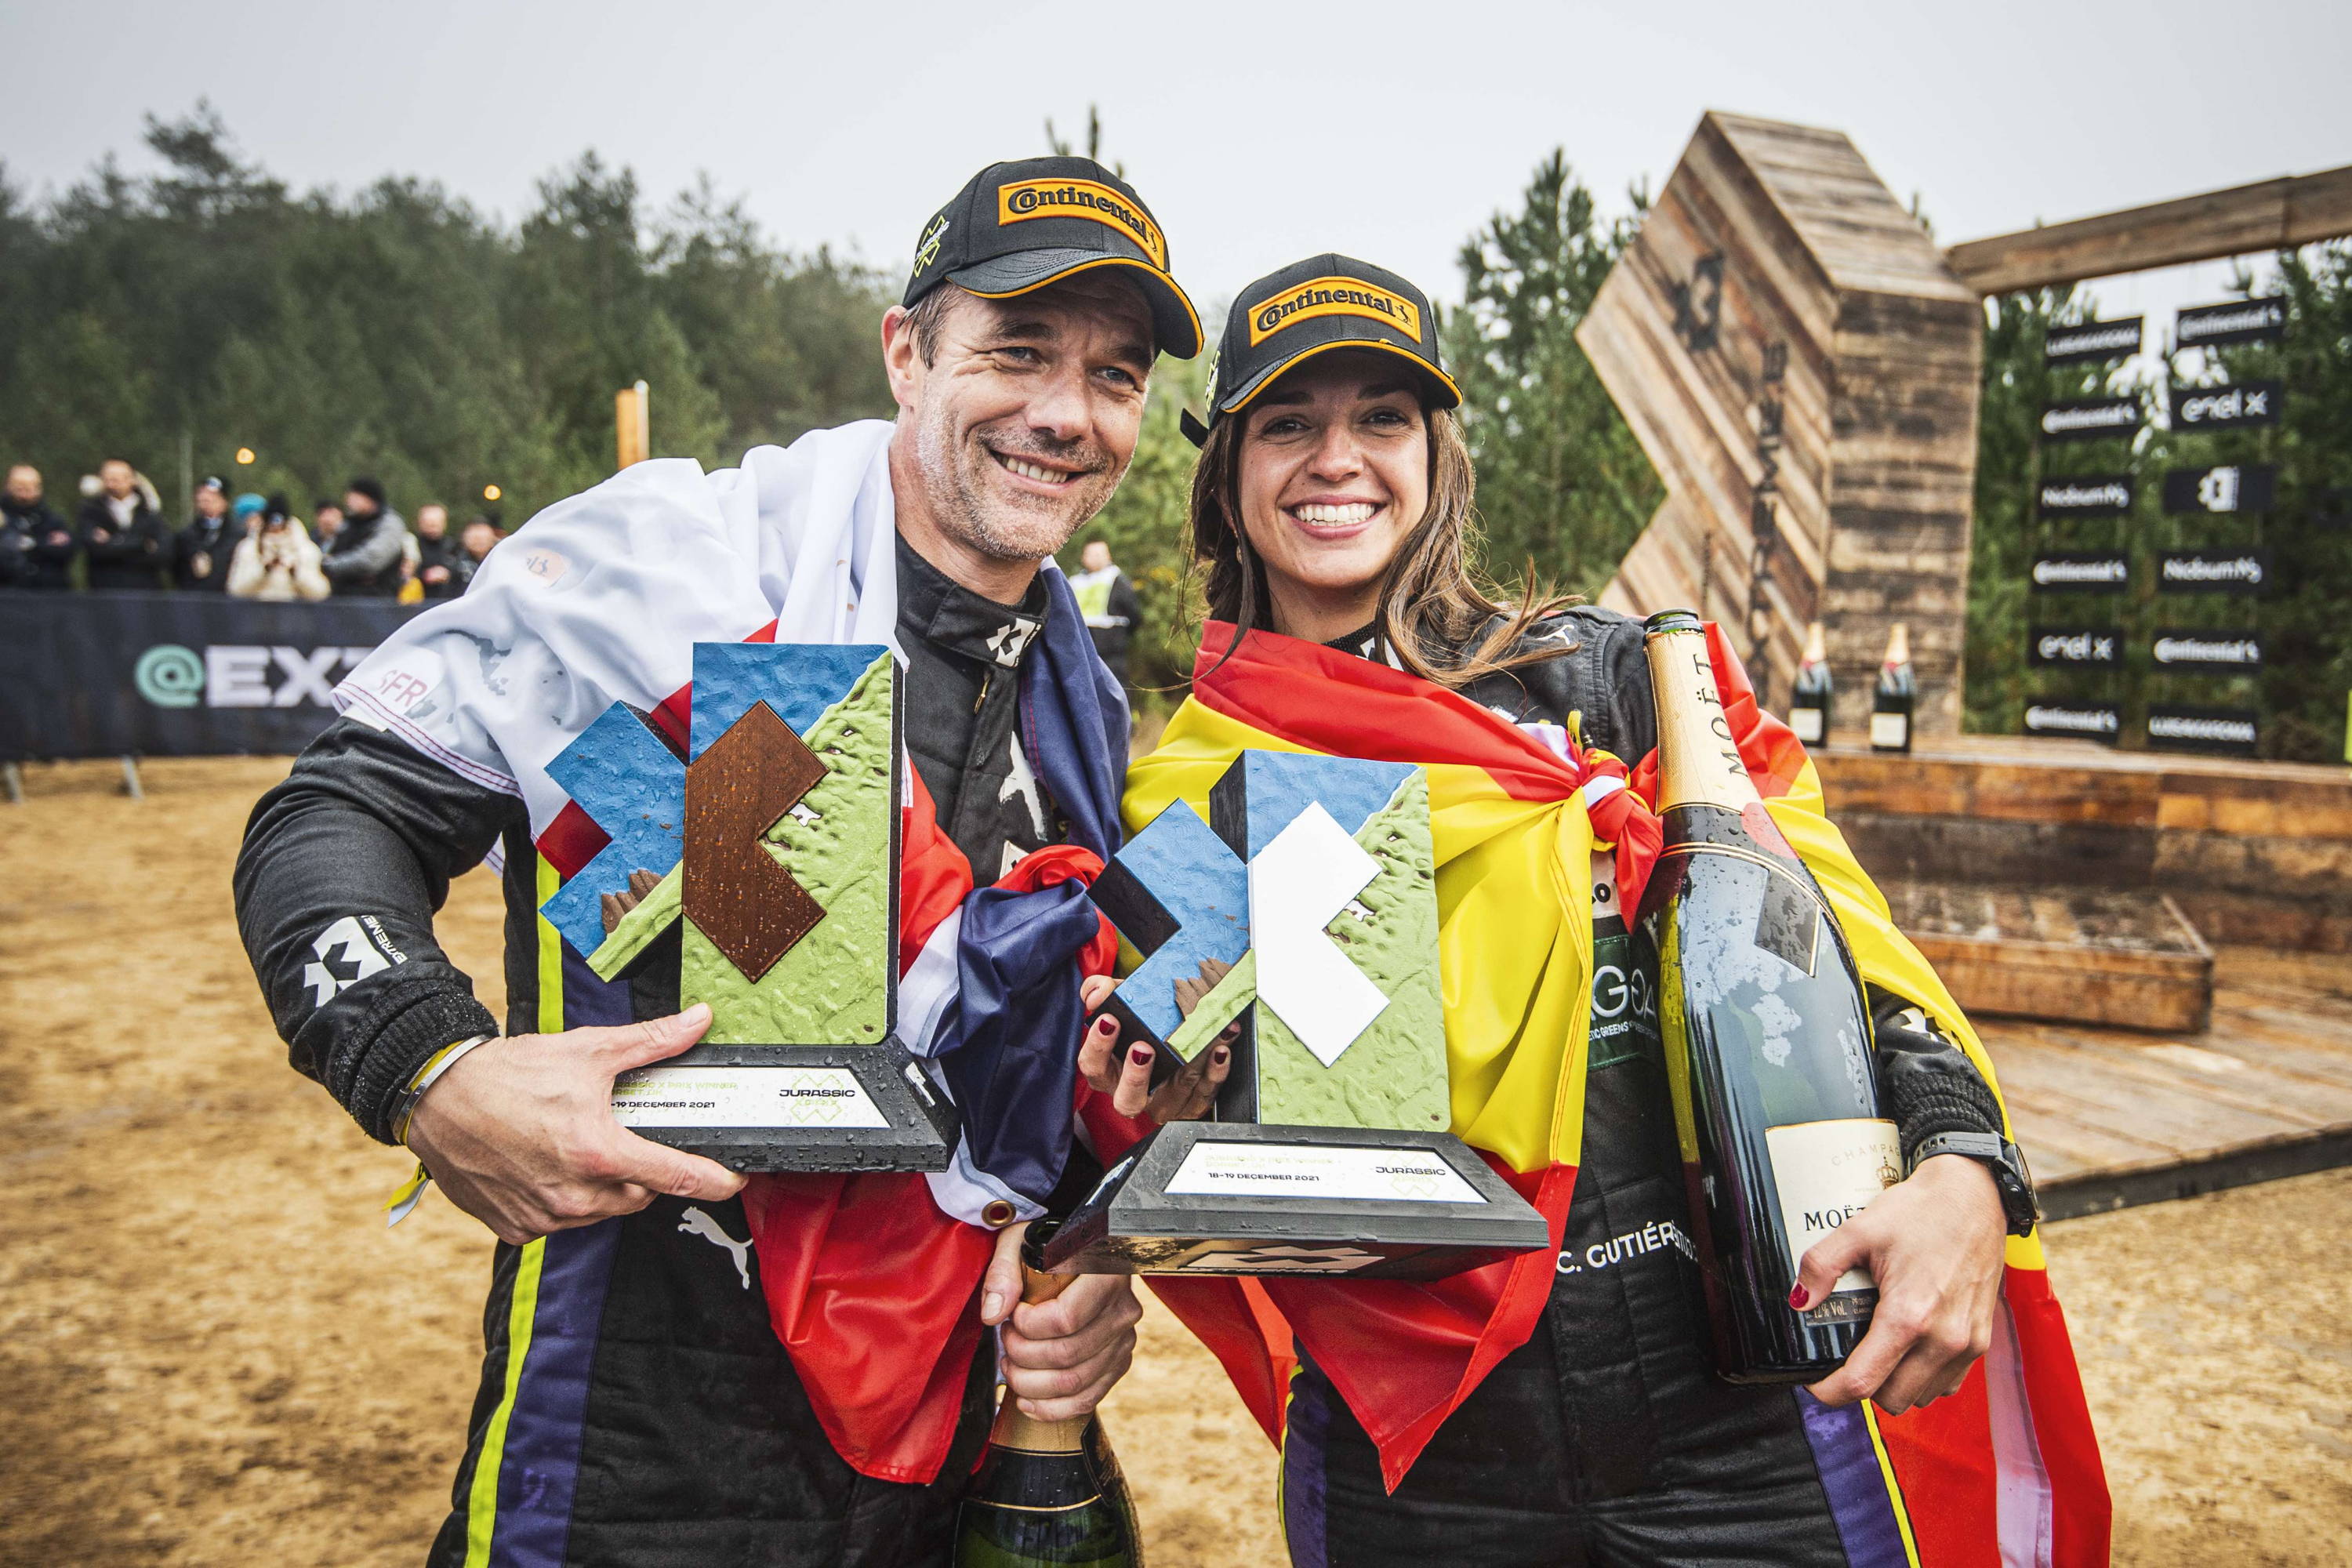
365, 557
437, 554
275, 562
200, 552
36, 548
1108, 601
480, 537
326, 520
121, 531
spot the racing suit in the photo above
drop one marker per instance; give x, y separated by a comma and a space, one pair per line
635, 1406
1606, 1438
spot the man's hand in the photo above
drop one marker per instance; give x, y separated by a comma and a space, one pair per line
1187, 1096
1934, 1244
519, 1133
1060, 1356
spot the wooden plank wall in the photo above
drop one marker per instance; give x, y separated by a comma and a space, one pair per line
1838, 321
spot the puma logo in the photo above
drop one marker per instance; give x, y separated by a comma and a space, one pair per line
698, 1222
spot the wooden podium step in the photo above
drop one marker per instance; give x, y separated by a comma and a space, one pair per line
2121, 957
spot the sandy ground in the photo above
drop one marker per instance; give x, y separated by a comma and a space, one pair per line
215, 1354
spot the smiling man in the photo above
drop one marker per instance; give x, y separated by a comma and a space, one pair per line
682, 1368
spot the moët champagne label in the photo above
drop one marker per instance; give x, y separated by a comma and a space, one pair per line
1827, 1172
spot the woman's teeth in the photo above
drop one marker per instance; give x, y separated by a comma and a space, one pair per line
1032, 472
1353, 512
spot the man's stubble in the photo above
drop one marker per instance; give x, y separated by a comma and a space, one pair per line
966, 505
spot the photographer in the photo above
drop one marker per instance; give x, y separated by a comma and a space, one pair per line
277, 563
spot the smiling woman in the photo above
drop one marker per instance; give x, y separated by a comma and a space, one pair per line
1334, 491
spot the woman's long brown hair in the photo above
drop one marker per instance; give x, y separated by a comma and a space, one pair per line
1430, 602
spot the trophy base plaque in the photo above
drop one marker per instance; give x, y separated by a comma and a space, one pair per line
1227, 1197
793, 1108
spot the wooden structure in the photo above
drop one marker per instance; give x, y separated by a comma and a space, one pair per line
2109, 1118
2271, 215
2251, 852
2095, 955
1801, 367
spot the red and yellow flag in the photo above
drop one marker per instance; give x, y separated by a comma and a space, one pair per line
1516, 824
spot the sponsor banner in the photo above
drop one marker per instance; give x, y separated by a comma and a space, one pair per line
2084, 340
165, 675
2082, 572
2250, 486
2090, 421
2213, 571
2075, 647
2085, 495
2090, 720
2238, 322
2202, 649
2238, 407
2230, 731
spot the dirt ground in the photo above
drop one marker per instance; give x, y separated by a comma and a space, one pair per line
215, 1354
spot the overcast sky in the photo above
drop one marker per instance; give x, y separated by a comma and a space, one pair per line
1259, 132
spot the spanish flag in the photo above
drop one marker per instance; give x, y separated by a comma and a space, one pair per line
2006, 1470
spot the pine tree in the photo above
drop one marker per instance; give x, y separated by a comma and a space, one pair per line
1561, 481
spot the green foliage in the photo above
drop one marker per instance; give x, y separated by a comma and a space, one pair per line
1144, 526
2307, 652
1561, 481
400, 333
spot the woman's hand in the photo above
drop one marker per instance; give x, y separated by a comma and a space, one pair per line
1188, 1095
1935, 1246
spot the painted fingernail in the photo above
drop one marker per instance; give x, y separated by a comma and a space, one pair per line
1106, 1026
1797, 1298
1222, 1055
1140, 1055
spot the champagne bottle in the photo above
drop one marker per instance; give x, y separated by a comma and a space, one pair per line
1047, 1492
1767, 1039
1890, 706
1809, 705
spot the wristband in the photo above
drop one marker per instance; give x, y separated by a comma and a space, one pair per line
404, 1109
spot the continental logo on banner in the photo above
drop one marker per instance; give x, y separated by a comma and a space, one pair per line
1026, 199
1333, 296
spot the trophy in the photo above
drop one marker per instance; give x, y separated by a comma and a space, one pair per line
764, 863
1305, 909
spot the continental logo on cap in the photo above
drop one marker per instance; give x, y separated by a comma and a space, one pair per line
1333, 296
1026, 199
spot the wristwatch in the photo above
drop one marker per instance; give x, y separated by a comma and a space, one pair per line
2004, 1159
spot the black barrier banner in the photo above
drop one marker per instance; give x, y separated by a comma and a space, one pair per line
2091, 720
2089, 421
2238, 407
2075, 647
2082, 572
101, 675
2203, 649
2238, 322
2083, 340
2085, 495
2251, 487
2212, 570
2230, 731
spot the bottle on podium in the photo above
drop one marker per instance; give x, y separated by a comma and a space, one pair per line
1767, 1041
1891, 704
1809, 705
1047, 1492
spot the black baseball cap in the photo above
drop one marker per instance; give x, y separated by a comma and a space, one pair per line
1327, 302
1020, 226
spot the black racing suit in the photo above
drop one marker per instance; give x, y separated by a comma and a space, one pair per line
1606, 1438
654, 1421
